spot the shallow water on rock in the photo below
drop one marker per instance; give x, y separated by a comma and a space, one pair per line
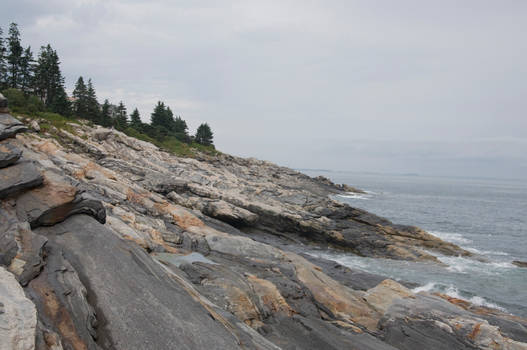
486, 217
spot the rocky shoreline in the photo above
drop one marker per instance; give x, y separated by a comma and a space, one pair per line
108, 242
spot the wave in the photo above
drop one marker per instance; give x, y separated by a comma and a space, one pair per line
454, 292
353, 195
466, 265
486, 252
451, 237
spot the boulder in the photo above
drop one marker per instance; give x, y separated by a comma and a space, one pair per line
55, 201
35, 126
9, 154
520, 263
10, 126
19, 177
383, 295
230, 214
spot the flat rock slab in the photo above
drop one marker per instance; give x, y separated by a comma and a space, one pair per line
178, 260
142, 307
10, 126
18, 177
9, 154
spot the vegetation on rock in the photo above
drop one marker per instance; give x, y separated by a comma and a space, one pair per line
35, 88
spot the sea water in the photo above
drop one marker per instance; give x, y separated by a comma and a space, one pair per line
485, 216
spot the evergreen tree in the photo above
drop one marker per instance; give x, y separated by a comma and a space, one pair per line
3, 62
135, 120
158, 116
80, 95
204, 135
27, 71
180, 126
106, 117
49, 82
92, 103
15, 56
59, 102
121, 120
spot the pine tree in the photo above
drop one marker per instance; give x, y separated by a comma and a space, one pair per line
106, 117
135, 120
27, 71
157, 118
49, 82
180, 126
3, 62
121, 120
14, 57
204, 135
80, 96
93, 110
59, 102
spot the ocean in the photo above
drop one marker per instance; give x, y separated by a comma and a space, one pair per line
485, 216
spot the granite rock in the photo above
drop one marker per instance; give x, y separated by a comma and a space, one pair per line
9, 154
18, 318
19, 177
10, 126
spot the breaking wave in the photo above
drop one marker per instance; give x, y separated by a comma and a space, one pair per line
454, 292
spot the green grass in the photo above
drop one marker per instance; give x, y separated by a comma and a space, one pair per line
173, 145
30, 108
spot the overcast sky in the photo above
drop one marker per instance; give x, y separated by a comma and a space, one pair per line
428, 87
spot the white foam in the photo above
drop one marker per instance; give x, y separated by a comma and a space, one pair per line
354, 195
486, 252
426, 288
466, 265
453, 292
451, 237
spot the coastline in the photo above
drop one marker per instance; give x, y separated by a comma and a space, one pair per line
116, 215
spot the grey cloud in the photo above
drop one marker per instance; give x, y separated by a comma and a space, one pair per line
407, 86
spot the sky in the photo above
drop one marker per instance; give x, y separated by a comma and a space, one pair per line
407, 86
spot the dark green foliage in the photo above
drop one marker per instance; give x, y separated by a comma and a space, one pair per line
93, 111
3, 62
14, 56
159, 116
164, 124
27, 71
106, 117
121, 120
59, 103
80, 96
85, 103
22, 103
135, 120
49, 82
204, 135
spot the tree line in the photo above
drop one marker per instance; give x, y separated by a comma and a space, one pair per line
37, 85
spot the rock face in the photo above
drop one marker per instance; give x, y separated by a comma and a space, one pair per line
9, 154
18, 177
9, 126
107, 242
18, 317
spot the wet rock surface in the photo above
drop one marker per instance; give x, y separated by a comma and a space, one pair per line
107, 242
